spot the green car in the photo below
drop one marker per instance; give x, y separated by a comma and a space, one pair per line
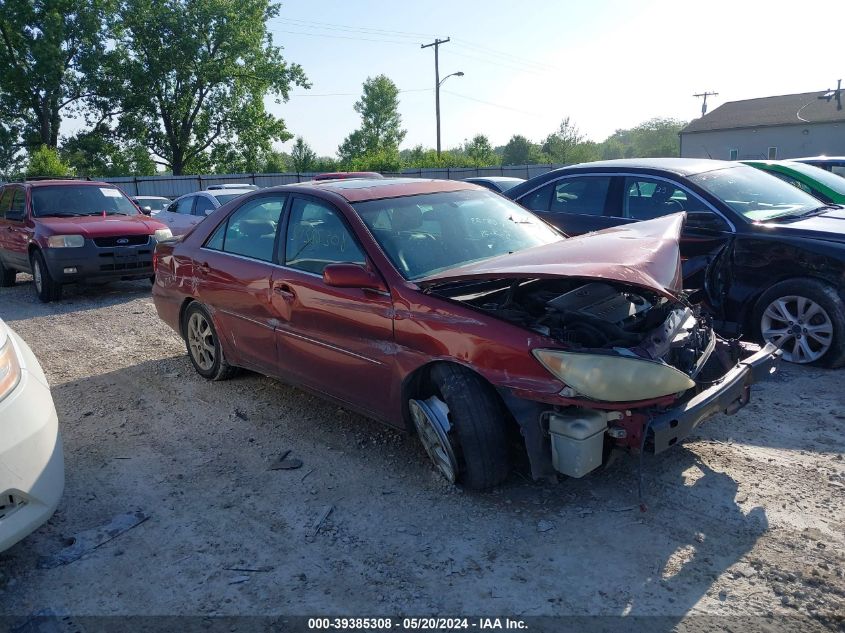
820, 183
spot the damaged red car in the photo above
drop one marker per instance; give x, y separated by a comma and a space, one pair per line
444, 309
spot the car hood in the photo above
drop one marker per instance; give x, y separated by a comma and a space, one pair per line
644, 254
97, 226
829, 225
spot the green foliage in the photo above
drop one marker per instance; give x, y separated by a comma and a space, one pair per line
275, 163
520, 151
302, 157
421, 157
194, 76
51, 56
381, 124
654, 138
99, 153
385, 159
45, 161
479, 152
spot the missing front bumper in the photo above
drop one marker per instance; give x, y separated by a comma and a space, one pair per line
731, 394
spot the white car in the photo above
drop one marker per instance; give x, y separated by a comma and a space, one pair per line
32, 470
189, 210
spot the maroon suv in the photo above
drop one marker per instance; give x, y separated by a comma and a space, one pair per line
66, 231
445, 308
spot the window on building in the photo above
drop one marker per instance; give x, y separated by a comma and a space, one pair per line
734, 154
773, 153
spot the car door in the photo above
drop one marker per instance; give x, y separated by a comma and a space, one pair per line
17, 230
338, 341
178, 215
575, 204
234, 269
706, 235
203, 208
6, 195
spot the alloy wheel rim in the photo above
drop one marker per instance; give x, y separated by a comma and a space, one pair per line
201, 341
799, 326
430, 418
36, 275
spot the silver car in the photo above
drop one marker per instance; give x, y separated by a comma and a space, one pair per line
189, 210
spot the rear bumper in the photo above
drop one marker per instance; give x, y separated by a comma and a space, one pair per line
31, 461
728, 396
92, 262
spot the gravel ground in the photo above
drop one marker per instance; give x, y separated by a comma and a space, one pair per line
745, 519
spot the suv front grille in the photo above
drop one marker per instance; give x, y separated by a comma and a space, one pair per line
118, 241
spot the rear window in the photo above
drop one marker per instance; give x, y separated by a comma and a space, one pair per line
223, 198
70, 200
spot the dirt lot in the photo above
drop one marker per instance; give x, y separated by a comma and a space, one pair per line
746, 519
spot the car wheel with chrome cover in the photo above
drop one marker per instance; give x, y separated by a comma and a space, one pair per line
203, 344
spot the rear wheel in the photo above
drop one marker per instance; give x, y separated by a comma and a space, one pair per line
7, 276
46, 289
203, 345
806, 319
463, 428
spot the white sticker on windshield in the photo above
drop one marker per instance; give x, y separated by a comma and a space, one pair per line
111, 193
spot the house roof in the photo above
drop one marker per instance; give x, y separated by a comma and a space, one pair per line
797, 109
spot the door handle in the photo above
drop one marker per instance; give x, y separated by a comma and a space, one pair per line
204, 268
282, 288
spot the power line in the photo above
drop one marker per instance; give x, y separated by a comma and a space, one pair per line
352, 94
500, 64
501, 54
490, 103
342, 37
362, 29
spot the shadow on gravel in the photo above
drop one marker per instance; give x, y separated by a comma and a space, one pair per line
20, 302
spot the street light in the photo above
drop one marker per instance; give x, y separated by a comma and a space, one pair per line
437, 104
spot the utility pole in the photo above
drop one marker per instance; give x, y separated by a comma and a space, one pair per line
834, 94
705, 94
436, 44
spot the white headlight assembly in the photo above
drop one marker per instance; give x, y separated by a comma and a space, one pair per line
65, 241
163, 234
613, 378
10, 369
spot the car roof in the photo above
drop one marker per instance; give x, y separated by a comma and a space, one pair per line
679, 166
364, 189
225, 192
820, 158
67, 183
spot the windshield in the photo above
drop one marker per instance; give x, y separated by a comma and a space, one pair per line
826, 178
70, 200
223, 198
425, 234
155, 204
755, 194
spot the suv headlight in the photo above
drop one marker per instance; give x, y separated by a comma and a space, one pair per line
163, 234
65, 241
10, 369
614, 378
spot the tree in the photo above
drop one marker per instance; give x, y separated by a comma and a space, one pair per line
656, 137
561, 145
99, 152
51, 53
520, 151
479, 151
381, 124
45, 161
302, 157
196, 75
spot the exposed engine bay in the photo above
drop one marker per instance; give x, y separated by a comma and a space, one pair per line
594, 315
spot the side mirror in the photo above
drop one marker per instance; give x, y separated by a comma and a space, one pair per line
351, 276
147, 210
209, 211
705, 220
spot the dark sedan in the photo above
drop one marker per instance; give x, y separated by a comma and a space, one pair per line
441, 307
499, 184
767, 258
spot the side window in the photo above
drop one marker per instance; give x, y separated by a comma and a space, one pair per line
18, 208
585, 195
251, 230
5, 201
538, 200
204, 206
317, 237
648, 198
184, 205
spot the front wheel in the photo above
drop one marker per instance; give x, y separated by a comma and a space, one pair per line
463, 428
45, 287
203, 345
806, 319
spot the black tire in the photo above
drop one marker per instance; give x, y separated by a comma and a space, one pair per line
480, 424
46, 289
819, 293
217, 368
7, 276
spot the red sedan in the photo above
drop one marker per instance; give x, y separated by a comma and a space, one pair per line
442, 308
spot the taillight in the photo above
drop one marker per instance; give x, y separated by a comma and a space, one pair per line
155, 261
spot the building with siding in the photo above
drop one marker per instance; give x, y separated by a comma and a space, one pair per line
788, 126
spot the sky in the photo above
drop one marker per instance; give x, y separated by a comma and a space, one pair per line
606, 64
